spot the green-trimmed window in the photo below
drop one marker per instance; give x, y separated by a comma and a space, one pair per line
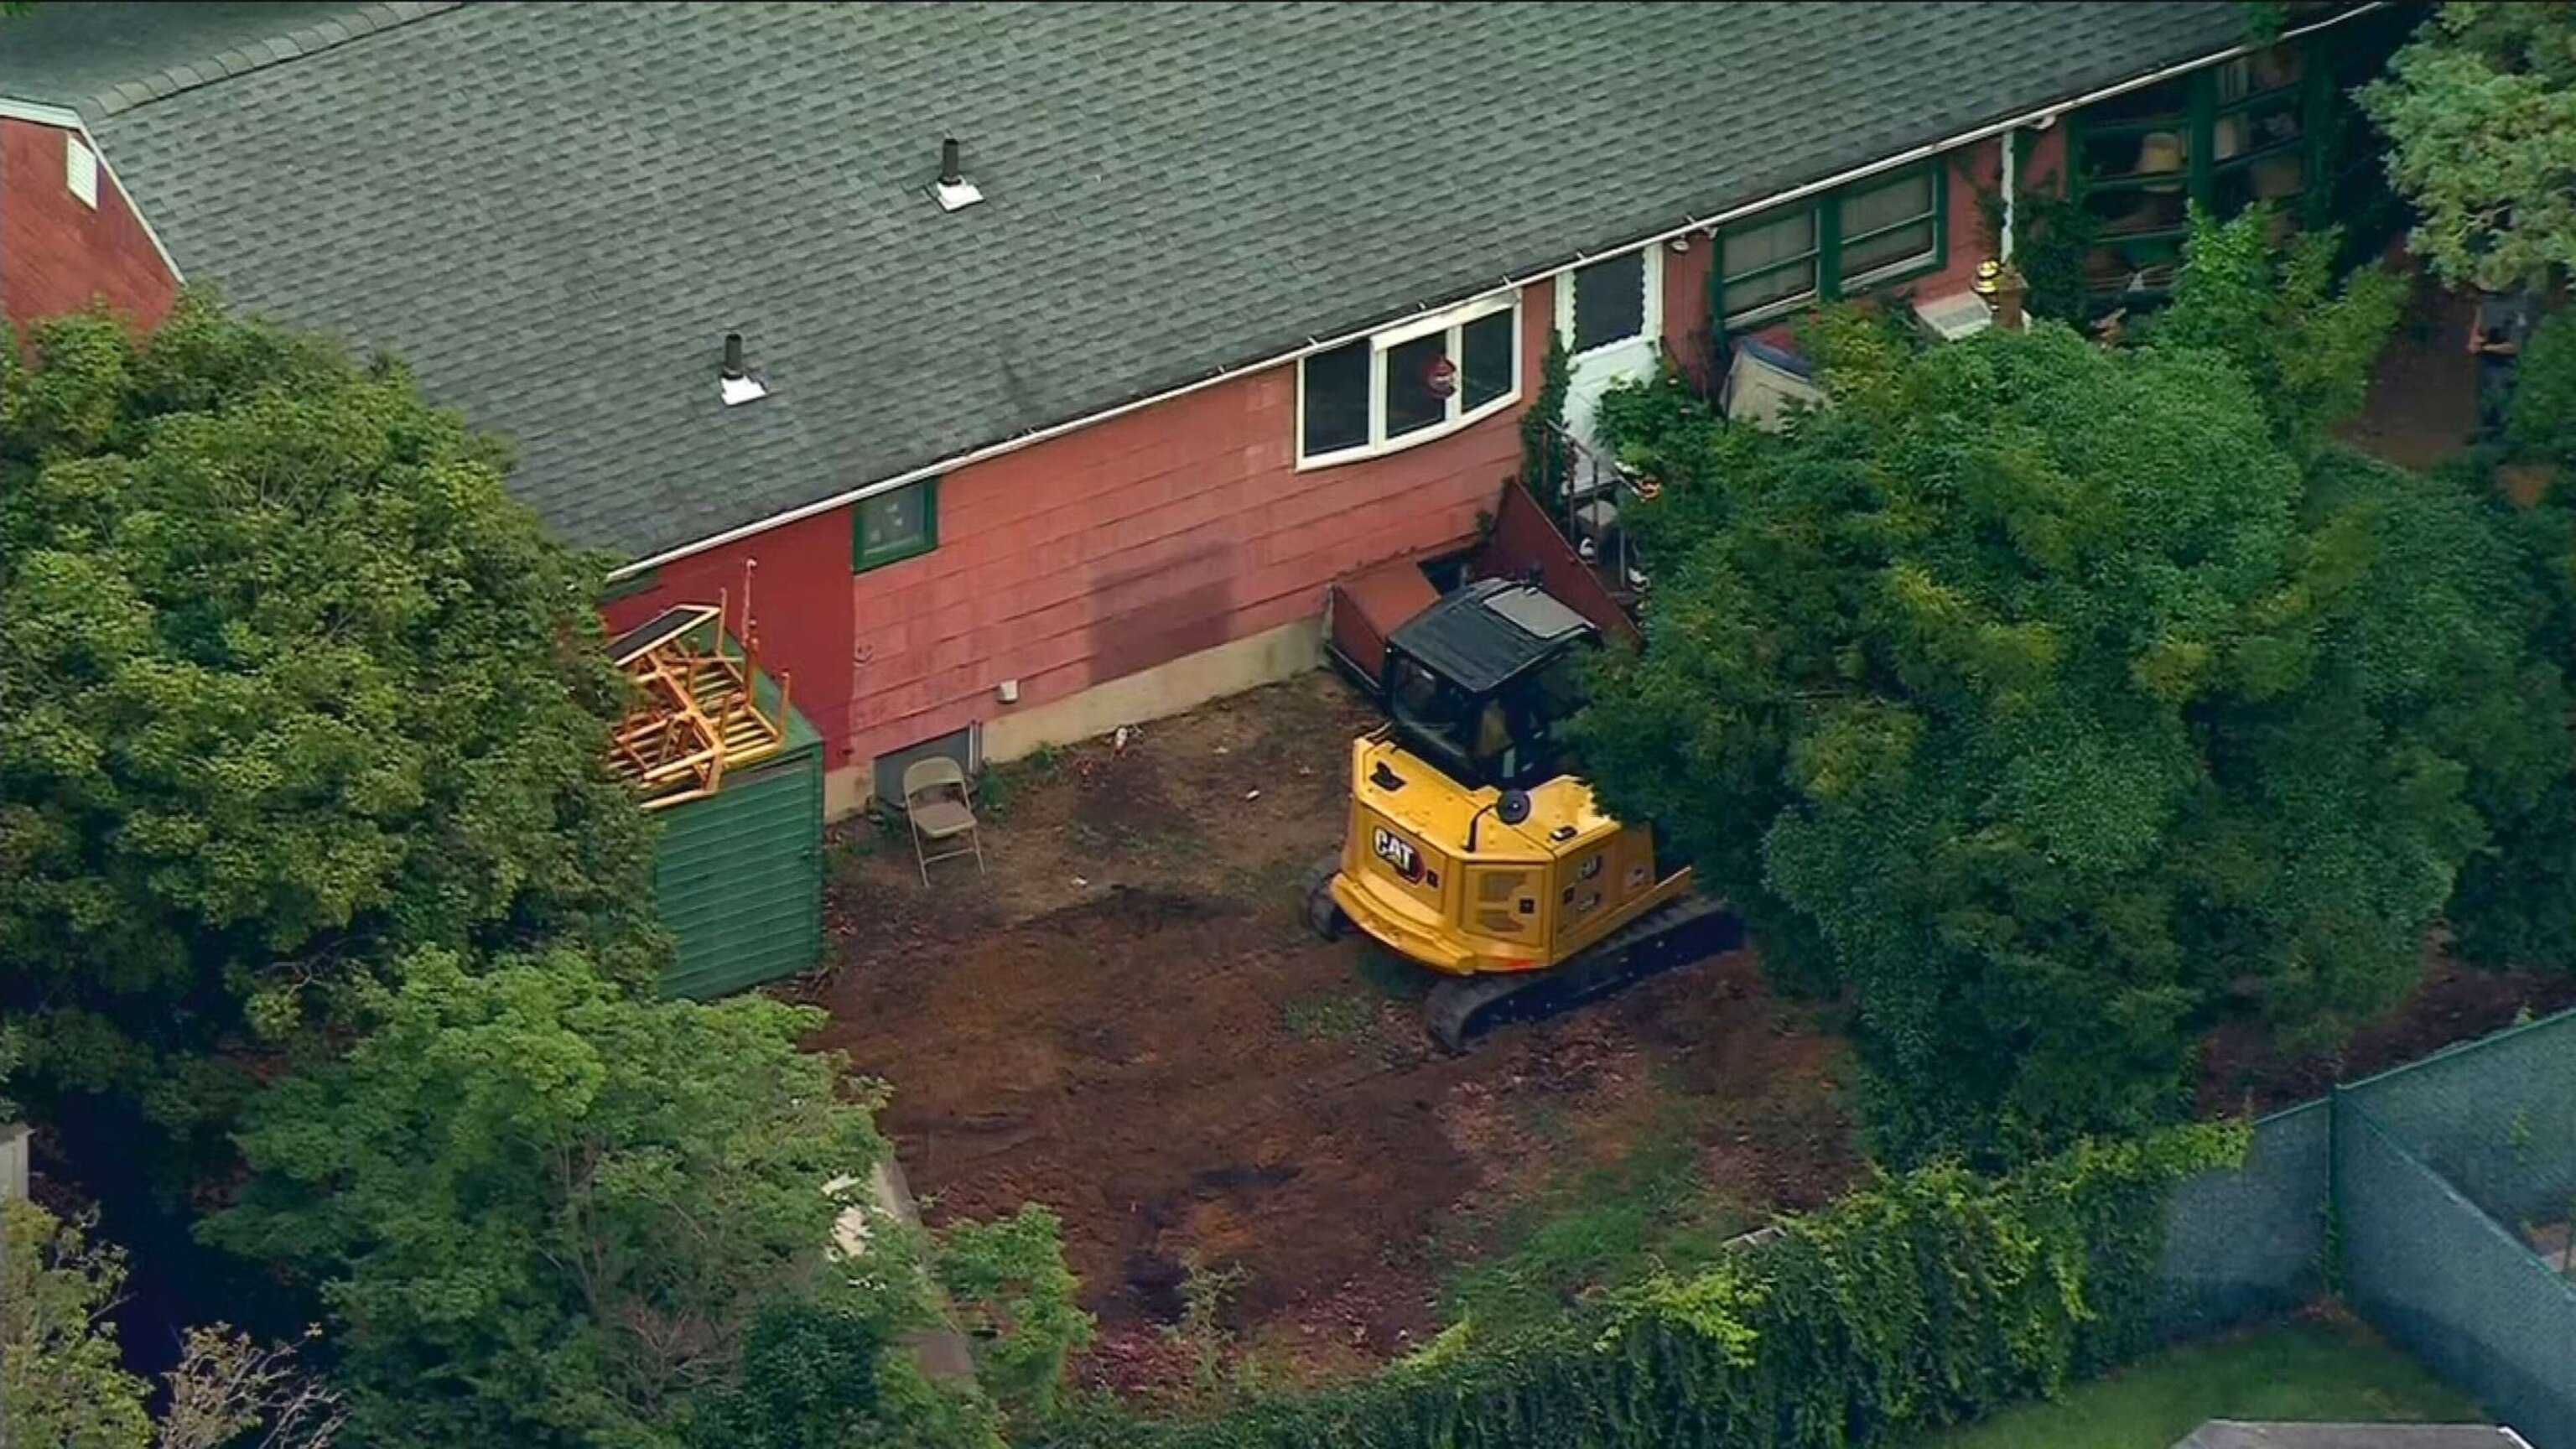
1889, 228
2225, 136
1769, 262
897, 524
1867, 235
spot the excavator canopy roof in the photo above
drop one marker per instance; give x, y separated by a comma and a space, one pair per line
1483, 635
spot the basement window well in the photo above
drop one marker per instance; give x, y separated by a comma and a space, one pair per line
1409, 384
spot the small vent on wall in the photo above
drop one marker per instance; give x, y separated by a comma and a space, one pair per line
80, 169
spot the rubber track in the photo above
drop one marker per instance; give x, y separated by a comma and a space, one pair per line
1679, 931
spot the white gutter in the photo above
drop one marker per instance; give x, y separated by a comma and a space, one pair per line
1689, 225
70, 120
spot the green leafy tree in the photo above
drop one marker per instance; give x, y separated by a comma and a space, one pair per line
2517, 903
289, 687
61, 1381
2277, 312
2036, 694
2542, 422
2480, 114
62, 1385
543, 1213
832, 1376
1010, 1284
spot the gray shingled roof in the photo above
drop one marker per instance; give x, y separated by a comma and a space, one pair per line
556, 212
79, 54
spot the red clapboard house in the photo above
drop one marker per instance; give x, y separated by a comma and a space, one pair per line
1071, 424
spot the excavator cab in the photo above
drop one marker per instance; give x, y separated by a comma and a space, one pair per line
1482, 684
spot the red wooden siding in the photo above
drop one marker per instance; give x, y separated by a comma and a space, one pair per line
1975, 173
799, 578
57, 254
2046, 168
1094, 555
1686, 305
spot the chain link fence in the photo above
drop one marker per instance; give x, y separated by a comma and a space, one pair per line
2436, 1198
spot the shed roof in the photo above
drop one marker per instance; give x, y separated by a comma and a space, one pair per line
557, 211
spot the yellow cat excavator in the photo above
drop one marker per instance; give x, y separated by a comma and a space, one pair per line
1475, 848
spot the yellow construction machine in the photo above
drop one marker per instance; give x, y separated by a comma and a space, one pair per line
1475, 848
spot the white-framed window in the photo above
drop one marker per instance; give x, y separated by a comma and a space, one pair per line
1409, 384
1617, 300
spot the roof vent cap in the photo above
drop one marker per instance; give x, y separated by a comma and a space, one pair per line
738, 383
952, 190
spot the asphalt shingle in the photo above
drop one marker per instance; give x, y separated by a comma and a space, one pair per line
556, 212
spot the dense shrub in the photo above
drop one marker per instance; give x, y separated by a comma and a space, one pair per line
2542, 424
1928, 1299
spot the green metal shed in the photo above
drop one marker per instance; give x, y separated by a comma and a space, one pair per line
739, 874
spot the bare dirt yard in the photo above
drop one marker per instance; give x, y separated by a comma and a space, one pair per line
2423, 403
1124, 1020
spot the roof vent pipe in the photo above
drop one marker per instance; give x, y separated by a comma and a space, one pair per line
735, 381
952, 190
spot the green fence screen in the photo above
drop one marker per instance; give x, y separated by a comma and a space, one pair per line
2251, 1244
2451, 1285
2436, 1198
2496, 1118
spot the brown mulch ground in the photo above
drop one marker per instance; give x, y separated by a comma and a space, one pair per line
2243, 1068
2423, 402
1125, 1021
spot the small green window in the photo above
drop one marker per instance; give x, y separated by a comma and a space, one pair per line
896, 524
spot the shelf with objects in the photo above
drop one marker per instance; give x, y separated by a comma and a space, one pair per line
2244, 131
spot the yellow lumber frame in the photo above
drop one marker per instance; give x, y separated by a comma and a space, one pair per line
696, 713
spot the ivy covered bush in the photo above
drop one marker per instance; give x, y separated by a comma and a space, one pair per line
1928, 1299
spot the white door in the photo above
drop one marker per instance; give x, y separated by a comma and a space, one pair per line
1610, 315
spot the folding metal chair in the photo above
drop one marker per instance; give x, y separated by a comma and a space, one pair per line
940, 806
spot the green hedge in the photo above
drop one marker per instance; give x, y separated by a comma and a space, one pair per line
2542, 421
1923, 1300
